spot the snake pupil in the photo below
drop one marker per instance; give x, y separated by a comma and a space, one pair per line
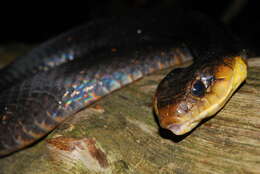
198, 89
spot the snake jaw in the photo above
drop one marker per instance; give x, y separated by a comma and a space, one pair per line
181, 117
180, 129
177, 129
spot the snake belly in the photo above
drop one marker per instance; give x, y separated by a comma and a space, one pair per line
60, 77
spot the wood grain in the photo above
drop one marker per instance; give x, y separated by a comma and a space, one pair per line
122, 128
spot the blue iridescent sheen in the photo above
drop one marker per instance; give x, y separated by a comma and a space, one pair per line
122, 77
60, 59
110, 83
104, 80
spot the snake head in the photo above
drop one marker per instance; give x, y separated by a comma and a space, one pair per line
187, 96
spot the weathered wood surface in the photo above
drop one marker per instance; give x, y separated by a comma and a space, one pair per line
119, 134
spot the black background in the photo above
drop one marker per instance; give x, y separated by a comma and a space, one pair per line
38, 21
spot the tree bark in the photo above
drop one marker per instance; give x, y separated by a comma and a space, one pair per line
120, 134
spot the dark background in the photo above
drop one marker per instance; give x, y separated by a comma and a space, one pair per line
40, 20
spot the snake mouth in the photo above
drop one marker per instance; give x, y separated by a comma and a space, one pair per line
183, 115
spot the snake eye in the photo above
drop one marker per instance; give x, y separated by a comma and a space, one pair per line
198, 89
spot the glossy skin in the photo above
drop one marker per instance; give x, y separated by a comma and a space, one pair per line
211, 85
40, 90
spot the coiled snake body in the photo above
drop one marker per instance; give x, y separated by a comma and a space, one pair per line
63, 75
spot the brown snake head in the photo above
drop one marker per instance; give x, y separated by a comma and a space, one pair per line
187, 96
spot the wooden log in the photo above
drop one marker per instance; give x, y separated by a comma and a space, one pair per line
120, 134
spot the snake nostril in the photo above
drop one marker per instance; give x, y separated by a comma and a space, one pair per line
182, 108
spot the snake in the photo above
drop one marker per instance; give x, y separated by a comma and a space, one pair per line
52, 82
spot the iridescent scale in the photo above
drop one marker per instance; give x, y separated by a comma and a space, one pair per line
87, 90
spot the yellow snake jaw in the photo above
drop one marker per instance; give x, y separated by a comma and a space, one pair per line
228, 76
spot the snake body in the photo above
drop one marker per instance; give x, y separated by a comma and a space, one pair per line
62, 76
